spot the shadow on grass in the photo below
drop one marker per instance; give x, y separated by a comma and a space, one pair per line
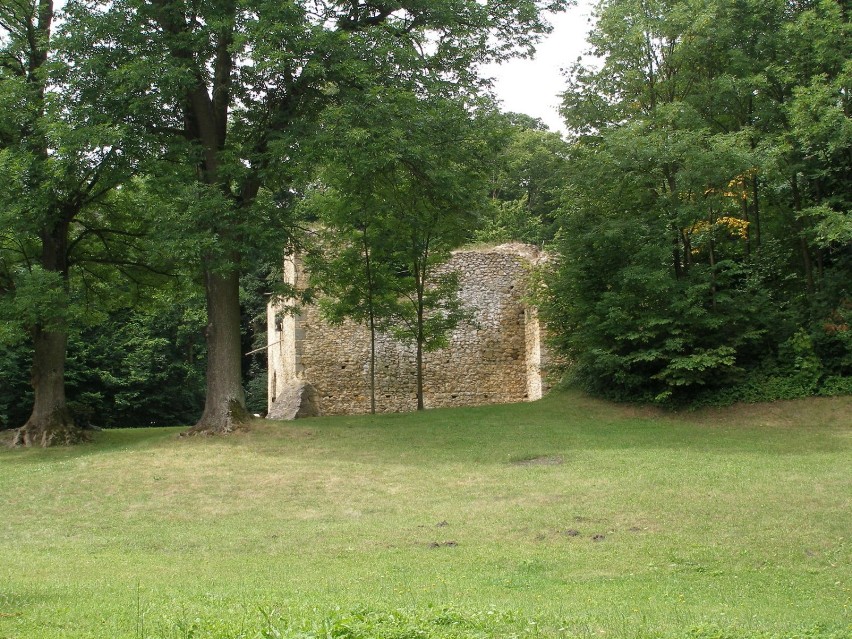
101, 442
563, 422
566, 422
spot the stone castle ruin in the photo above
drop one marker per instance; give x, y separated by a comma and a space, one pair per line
316, 368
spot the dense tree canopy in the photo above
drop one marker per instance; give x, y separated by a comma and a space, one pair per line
229, 94
157, 156
63, 156
526, 182
707, 238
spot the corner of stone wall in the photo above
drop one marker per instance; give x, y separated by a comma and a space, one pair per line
532, 329
283, 335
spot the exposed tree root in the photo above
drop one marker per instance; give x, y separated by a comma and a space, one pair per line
55, 429
232, 419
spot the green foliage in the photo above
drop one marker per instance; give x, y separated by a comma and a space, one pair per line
141, 365
36, 296
510, 222
526, 181
16, 395
400, 185
707, 244
633, 331
806, 364
140, 369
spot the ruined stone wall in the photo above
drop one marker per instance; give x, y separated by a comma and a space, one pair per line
494, 359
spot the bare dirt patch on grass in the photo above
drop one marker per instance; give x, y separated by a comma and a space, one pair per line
540, 460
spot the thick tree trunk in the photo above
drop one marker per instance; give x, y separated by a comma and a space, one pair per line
225, 404
50, 423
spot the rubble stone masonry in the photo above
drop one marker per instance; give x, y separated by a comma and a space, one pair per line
496, 358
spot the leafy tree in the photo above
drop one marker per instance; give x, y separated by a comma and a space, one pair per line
62, 157
707, 147
402, 187
350, 268
526, 182
638, 319
234, 88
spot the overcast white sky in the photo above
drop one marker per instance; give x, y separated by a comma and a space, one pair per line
531, 86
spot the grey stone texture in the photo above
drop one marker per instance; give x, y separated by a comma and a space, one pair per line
296, 399
497, 358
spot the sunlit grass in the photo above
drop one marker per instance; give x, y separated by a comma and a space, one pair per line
566, 517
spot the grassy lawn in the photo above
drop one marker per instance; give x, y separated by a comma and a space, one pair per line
567, 517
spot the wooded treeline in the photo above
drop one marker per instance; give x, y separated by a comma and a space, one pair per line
158, 157
705, 246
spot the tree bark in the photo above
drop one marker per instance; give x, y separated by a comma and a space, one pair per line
50, 423
755, 184
224, 406
206, 122
712, 256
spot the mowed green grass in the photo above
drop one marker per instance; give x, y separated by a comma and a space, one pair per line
561, 518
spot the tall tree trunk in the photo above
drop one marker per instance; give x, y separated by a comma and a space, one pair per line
755, 184
679, 259
676, 253
225, 404
206, 117
51, 423
712, 256
755, 192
